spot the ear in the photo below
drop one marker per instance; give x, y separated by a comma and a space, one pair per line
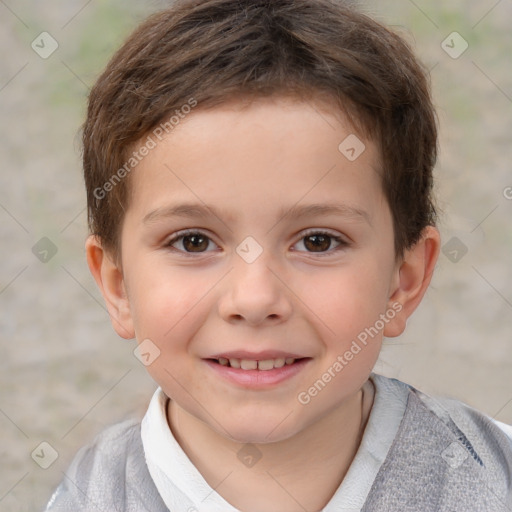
411, 280
110, 281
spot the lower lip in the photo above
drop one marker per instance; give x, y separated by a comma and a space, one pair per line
258, 379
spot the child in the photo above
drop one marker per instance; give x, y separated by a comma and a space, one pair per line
259, 183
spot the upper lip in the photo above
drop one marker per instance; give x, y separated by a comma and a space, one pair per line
256, 356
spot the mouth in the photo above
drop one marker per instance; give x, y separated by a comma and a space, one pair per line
257, 371
256, 364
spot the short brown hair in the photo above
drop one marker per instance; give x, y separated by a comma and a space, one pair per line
211, 51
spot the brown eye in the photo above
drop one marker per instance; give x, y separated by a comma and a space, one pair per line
192, 242
317, 243
195, 243
321, 243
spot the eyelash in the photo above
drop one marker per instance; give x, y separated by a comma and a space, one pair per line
342, 243
182, 234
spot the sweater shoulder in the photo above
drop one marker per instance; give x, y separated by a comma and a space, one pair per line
110, 473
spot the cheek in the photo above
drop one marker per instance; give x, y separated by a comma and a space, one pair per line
346, 299
166, 302
168, 308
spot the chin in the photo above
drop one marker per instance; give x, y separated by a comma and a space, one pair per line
250, 435
261, 428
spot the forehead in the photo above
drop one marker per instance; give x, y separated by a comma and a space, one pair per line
266, 154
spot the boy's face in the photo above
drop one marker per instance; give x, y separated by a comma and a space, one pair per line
289, 253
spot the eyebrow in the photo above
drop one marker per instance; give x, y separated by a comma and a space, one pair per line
203, 211
317, 210
190, 210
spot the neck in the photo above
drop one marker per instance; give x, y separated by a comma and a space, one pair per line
281, 480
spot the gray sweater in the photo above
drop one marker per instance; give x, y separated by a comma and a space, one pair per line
446, 457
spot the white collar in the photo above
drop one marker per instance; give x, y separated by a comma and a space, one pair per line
183, 488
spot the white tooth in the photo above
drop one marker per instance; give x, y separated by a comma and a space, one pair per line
223, 361
289, 360
279, 363
234, 363
267, 364
248, 364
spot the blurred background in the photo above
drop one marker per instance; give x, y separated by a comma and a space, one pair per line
64, 373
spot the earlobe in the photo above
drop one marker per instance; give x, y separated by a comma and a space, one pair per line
412, 279
109, 279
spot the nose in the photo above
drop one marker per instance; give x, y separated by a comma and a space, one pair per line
255, 294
